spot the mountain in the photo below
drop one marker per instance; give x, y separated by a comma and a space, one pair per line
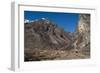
45, 40
45, 34
82, 41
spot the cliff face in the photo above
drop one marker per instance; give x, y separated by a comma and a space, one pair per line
82, 42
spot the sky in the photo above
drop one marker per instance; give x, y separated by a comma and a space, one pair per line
68, 21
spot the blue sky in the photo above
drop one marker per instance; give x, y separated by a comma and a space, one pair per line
68, 21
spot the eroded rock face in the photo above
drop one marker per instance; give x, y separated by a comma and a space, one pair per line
83, 29
84, 23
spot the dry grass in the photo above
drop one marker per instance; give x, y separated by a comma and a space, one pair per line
51, 54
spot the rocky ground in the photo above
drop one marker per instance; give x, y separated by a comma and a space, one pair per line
51, 54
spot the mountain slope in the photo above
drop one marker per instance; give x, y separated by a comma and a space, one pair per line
45, 34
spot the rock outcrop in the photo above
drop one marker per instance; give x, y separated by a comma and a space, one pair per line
82, 41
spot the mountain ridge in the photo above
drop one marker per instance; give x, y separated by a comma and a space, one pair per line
43, 29
45, 35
